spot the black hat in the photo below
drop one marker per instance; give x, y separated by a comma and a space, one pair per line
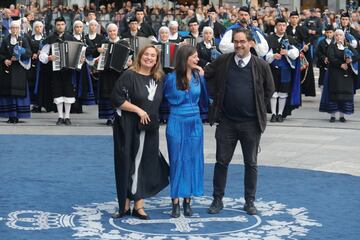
131, 19
294, 13
244, 9
212, 9
254, 18
329, 27
193, 20
345, 14
313, 10
139, 9
280, 20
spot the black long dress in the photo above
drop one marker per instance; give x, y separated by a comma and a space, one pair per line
107, 80
93, 45
140, 169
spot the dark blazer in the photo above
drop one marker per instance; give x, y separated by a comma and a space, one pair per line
215, 75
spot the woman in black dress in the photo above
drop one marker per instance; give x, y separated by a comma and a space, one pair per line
140, 169
208, 51
338, 91
108, 77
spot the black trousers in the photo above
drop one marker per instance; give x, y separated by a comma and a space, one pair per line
228, 133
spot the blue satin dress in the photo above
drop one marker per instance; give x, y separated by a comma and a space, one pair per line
184, 134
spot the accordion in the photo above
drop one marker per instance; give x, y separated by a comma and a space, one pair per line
114, 57
191, 41
168, 54
68, 55
138, 43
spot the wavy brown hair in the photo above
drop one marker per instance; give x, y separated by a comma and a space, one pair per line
156, 70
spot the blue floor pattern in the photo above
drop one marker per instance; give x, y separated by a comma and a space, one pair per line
62, 187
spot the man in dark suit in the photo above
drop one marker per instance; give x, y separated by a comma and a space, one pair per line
241, 85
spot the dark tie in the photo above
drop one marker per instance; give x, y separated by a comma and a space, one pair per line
240, 63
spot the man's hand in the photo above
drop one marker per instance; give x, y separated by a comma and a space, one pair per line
283, 52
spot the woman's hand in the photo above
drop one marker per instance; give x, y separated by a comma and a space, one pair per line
7, 62
144, 117
201, 71
101, 50
348, 60
344, 66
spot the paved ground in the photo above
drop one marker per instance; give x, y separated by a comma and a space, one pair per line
305, 140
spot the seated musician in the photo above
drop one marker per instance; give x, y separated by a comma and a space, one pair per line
194, 31
63, 89
133, 29
174, 32
207, 50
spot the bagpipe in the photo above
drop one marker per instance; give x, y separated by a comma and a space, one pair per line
214, 52
348, 54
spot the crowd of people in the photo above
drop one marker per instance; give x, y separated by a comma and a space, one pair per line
233, 65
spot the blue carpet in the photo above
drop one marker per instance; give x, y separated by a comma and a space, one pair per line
62, 187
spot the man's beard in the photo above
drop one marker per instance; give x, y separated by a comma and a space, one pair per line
243, 21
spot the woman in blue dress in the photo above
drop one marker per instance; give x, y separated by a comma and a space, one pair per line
186, 93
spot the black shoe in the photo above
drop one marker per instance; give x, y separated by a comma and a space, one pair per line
250, 208
60, 121
342, 119
109, 122
332, 119
136, 213
36, 109
16, 120
67, 122
273, 118
187, 208
175, 213
11, 120
279, 118
123, 214
216, 206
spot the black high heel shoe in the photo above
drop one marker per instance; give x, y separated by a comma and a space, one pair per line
123, 214
187, 208
175, 213
136, 213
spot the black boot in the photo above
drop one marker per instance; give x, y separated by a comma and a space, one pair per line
187, 208
175, 213
216, 206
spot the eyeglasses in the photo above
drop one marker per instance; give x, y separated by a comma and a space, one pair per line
242, 42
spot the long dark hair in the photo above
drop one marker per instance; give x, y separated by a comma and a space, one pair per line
185, 51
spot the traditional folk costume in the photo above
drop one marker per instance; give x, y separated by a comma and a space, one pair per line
302, 38
84, 87
14, 89
63, 86
286, 74
94, 42
107, 80
338, 91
